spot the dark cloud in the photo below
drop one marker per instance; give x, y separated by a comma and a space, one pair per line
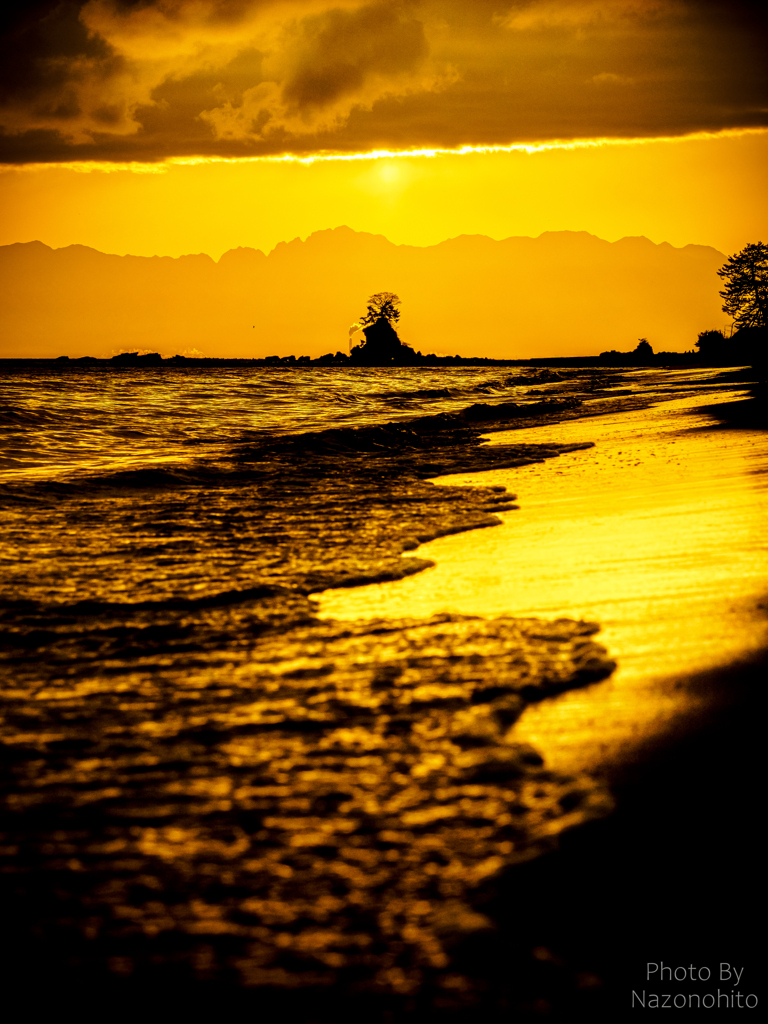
40, 48
121, 80
344, 48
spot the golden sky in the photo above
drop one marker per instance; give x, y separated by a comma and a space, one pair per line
156, 126
708, 191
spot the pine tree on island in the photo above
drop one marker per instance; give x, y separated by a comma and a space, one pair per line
381, 347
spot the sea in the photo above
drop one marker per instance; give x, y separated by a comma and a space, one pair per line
207, 786
94, 421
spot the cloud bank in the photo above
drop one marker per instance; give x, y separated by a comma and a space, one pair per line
149, 79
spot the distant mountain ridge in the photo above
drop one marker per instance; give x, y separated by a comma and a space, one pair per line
561, 294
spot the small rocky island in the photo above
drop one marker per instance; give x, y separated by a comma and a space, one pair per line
382, 346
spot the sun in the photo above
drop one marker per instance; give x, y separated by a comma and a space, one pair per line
389, 173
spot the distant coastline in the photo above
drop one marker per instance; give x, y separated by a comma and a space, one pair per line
564, 293
153, 362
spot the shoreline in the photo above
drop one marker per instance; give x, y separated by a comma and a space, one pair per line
560, 555
672, 873
285, 745
297, 793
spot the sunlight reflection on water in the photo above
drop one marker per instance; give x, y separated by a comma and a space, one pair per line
658, 533
101, 418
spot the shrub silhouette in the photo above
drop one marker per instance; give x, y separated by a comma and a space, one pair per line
643, 350
711, 343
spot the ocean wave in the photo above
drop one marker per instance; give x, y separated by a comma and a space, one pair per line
415, 433
135, 429
102, 423
438, 430
184, 741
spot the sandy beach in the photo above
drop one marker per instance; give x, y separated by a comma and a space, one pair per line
657, 533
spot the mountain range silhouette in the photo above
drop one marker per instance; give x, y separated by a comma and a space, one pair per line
561, 294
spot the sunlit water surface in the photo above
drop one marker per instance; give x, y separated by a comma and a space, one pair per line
203, 780
98, 420
658, 533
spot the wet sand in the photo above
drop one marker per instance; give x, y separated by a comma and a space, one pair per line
657, 533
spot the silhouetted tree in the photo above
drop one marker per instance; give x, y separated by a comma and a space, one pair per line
382, 346
382, 304
711, 343
746, 289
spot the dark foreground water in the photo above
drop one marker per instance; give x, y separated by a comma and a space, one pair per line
207, 787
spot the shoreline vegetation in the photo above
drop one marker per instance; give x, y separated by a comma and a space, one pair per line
77, 300
152, 360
